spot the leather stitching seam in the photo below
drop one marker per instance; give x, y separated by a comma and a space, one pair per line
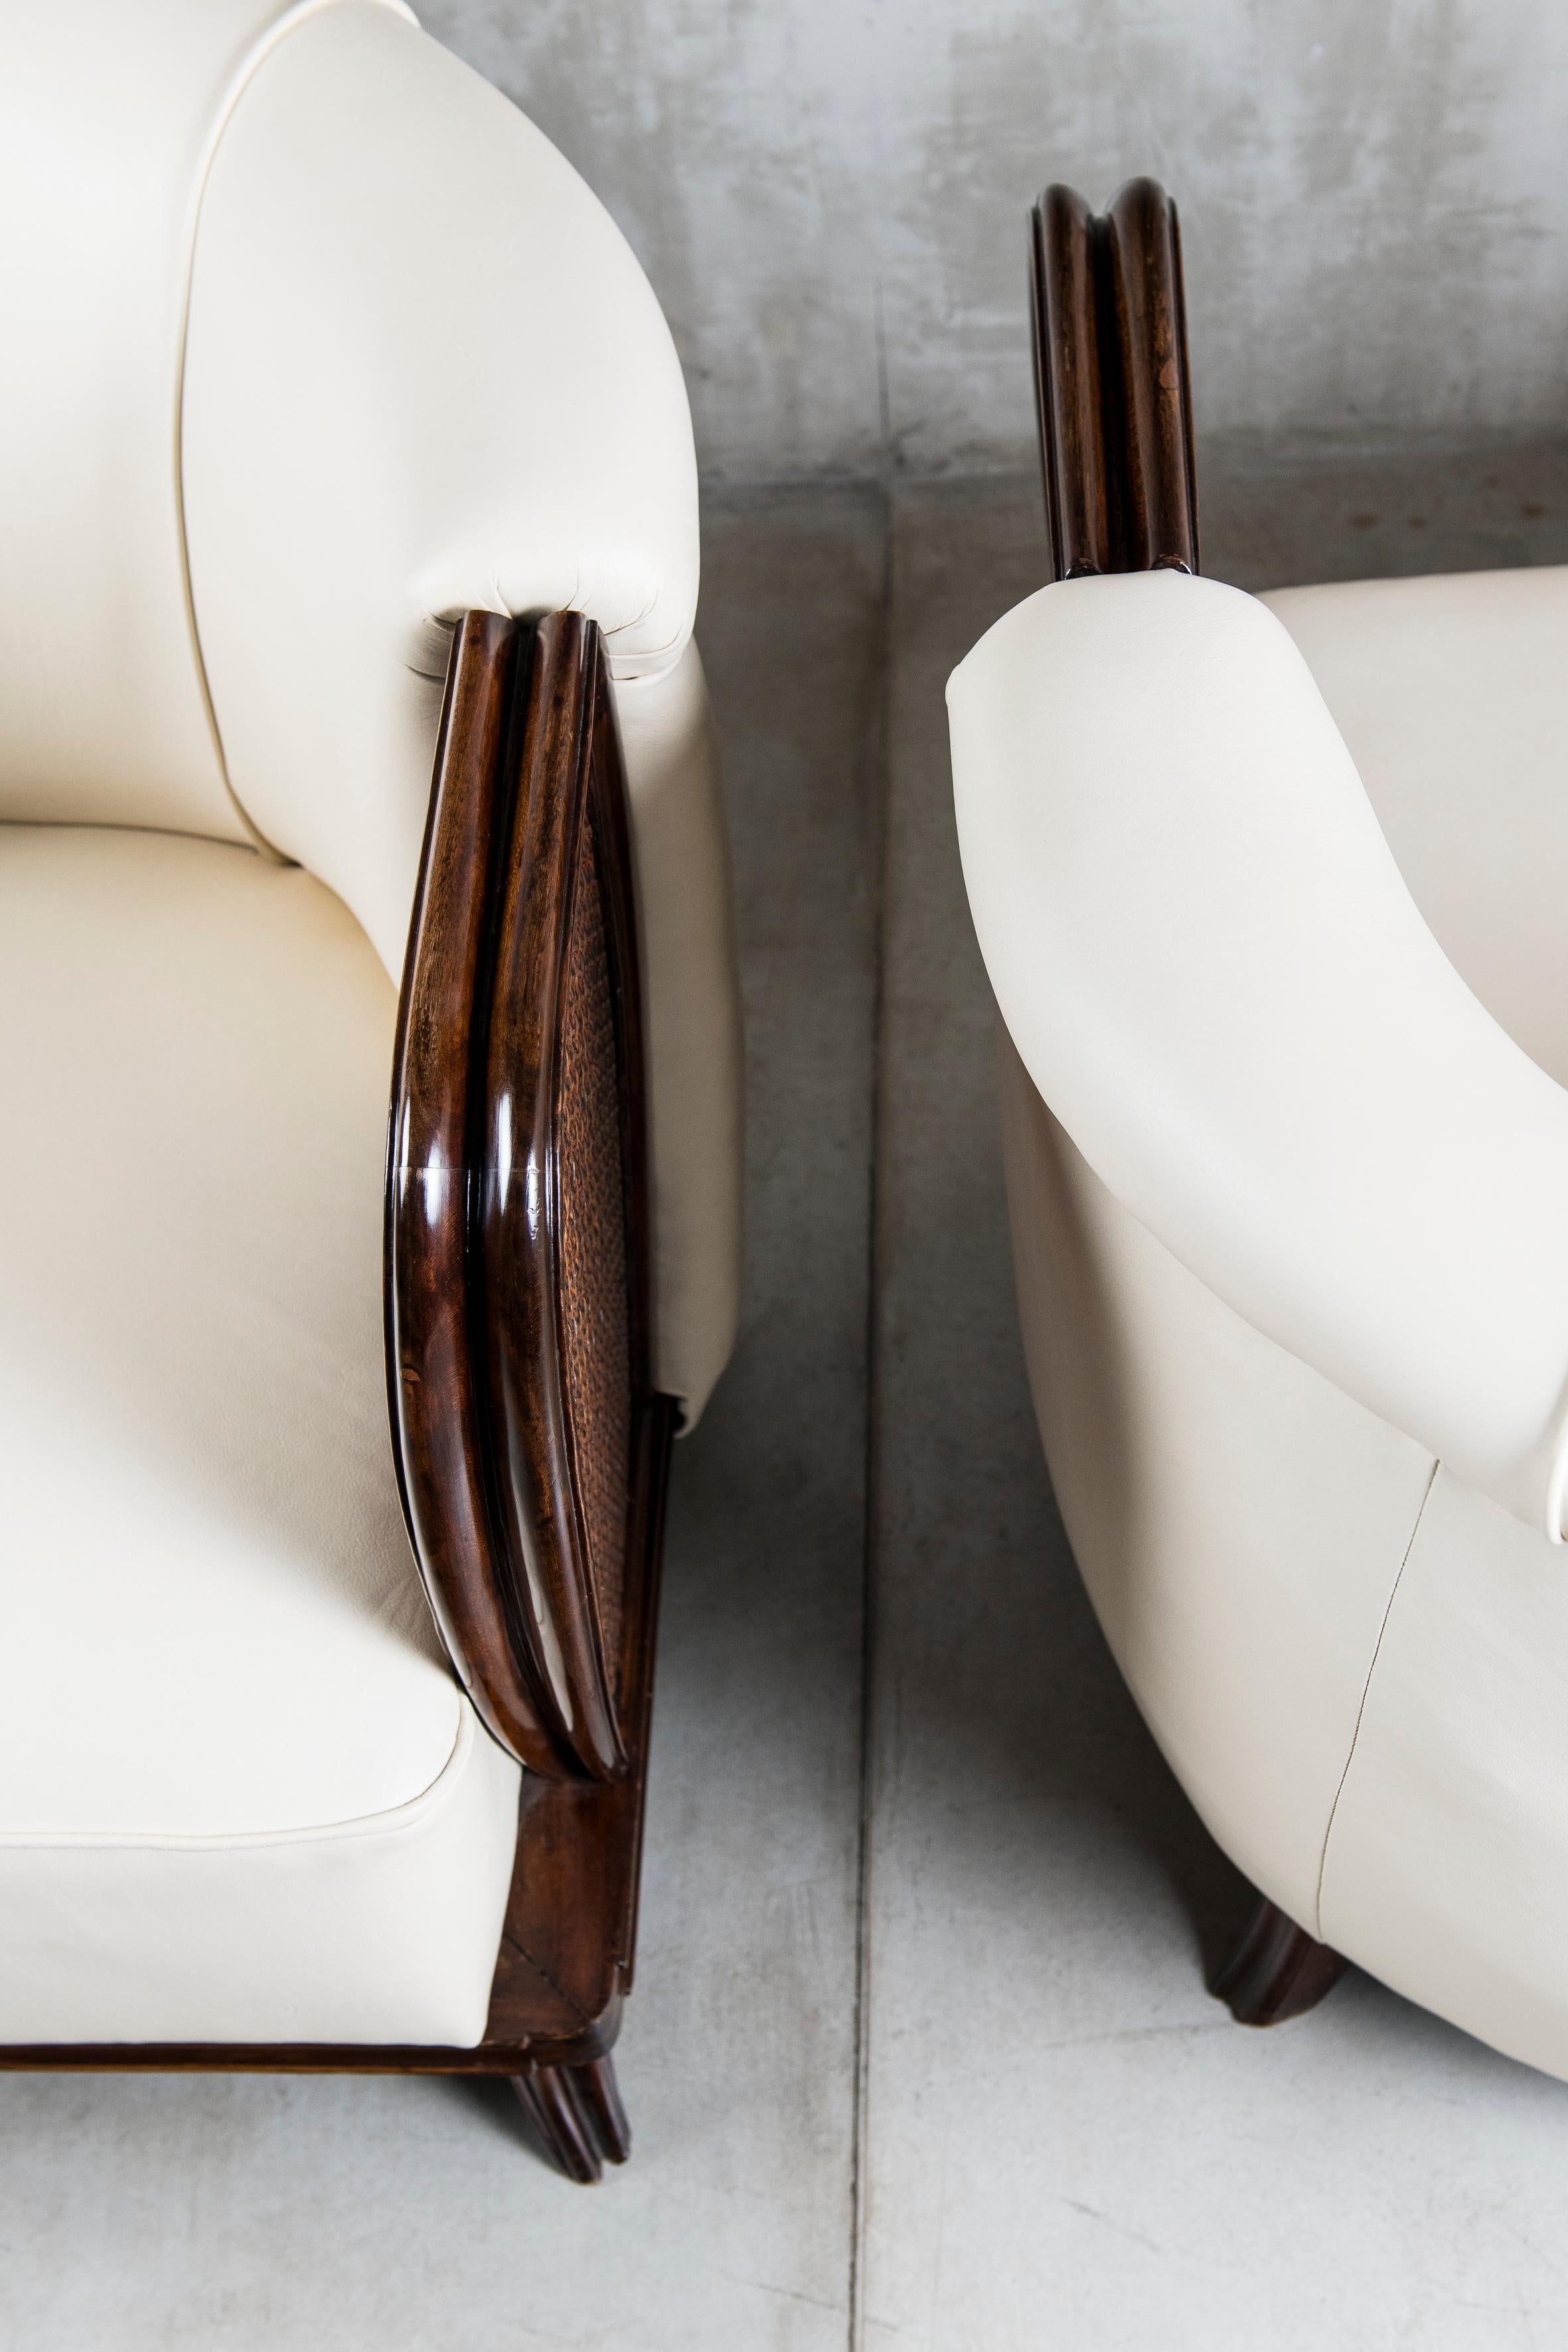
261, 48
1366, 1692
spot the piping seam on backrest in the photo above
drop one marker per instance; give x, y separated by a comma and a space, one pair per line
239, 81
1366, 1690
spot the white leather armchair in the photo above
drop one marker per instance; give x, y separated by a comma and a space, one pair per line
331, 379
1268, 890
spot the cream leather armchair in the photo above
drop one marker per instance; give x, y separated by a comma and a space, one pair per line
1269, 893
345, 444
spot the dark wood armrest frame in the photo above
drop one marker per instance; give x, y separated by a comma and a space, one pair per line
1114, 404
517, 1248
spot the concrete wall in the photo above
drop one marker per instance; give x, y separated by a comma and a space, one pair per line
829, 198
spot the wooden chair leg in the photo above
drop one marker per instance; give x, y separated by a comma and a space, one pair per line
577, 2114
599, 2092
1277, 1970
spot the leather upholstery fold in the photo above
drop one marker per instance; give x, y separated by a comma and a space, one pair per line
1216, 976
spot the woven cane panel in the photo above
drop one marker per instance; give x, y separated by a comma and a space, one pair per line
592, 1288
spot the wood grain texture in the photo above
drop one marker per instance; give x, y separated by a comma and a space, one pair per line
557, 1307
516, 1280
438, 1419
1114, 405
577, 2115
1070, 405
1143, 270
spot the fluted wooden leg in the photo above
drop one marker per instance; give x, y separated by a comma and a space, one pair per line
1275, 1972
577, 2113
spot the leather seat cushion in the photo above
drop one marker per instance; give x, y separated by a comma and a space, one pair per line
1452, 695
241, 1797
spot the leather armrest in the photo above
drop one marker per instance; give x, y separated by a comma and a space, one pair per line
424, 376
1217, 979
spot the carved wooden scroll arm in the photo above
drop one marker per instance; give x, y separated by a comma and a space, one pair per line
516, 1236
1114, 396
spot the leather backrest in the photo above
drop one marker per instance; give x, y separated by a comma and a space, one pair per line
109, 112
324, 345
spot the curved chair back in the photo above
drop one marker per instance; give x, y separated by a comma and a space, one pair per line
319, 344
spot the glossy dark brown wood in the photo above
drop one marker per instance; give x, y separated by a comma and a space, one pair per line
1069, 403
1114, 402
440, 1433
1143, 247
566, 866
517, 1296
1277, 1972
577, 2114
569, 1943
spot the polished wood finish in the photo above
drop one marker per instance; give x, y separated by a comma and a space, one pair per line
531, 1451
439, 1428
518, 1340
1277, 1972
1142, 244
562, 1307
577, 2114
1114, 398
569, 1944
1070, 408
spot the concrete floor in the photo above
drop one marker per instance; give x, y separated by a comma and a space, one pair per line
920, 2052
